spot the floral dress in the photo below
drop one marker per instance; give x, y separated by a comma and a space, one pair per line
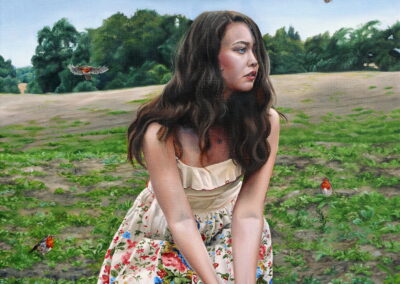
143, 250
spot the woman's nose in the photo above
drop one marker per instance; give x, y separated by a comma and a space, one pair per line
253, 59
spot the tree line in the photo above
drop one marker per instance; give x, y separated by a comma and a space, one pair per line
139, 51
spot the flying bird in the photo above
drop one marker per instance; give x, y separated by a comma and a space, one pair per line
45, 245
87, 70
327, 1
326, 187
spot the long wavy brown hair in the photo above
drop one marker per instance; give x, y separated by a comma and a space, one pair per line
194, 97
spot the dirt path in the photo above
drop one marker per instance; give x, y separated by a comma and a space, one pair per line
314, 93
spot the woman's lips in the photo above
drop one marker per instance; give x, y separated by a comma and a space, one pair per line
251, 76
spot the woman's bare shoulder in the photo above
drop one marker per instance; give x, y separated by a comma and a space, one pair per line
150, 138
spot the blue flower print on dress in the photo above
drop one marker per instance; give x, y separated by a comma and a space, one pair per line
270, 281
158, 280
259, 272
127, 235
209, 222
112, 280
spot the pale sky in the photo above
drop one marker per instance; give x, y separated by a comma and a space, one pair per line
20, 20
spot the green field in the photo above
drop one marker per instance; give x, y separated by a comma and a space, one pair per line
78, 187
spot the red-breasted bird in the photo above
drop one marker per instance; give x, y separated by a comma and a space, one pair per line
326, 187
87, 70
45, 245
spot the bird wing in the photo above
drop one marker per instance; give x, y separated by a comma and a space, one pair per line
98, 70
75, 70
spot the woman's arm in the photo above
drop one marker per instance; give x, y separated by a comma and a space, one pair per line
248, 216
168, 189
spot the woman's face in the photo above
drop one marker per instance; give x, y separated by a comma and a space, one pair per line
237, 58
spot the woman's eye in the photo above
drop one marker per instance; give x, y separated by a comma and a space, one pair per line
242, 50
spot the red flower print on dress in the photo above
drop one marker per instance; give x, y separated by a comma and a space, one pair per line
218, 252
261, 252
171, 259
131, 244
107, 269
229, 241
269, 263
126, 258
144, 257
108, 254
157, 250
140, 251
151, 268
133, 267
117, 266
215, 265
105, 278
116, 239
153, 258
162, 273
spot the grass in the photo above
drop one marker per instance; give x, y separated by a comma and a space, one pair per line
79, 189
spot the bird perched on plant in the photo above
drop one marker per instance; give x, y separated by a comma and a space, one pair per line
45, 245
326, 187
87, 70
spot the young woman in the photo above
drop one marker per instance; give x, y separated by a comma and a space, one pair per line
198, 221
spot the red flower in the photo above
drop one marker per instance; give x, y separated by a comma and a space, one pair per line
140, 251
218, 252
117, 266
215, 265
125, 258
105, 278
203, 237
171, 259
158, 250
116, 239
133, 267
144, 257
108, 254
269, 263
229, 241
107, 269
153, 258
131, 244
151, 268
195, 278
262, 251
162, 273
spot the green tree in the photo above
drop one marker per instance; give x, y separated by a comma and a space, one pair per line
387, 48
25, 74
286, 51
125, 45
8, 77
53, 53
315, 48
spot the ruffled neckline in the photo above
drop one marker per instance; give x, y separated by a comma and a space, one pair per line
209, 177
209, 166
